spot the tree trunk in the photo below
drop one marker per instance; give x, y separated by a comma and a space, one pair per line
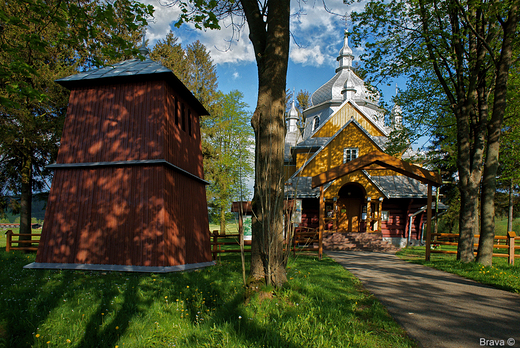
26, 199
470, 148
222, 220
271, 43
487, 233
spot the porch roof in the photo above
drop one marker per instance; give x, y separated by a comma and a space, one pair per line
382, 160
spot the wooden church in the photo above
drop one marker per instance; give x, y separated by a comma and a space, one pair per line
128, 192
343, 125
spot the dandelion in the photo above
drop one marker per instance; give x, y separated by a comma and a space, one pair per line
187, 286
68, 341
117, 327
37, 335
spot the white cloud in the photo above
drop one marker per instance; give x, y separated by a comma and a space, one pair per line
236, 75
228, 45
316, 32
307, 55
164, 16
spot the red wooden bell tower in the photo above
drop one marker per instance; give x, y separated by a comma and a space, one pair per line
128, 191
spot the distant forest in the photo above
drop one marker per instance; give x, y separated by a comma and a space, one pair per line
39, 203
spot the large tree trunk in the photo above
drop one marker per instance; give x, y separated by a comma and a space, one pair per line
26, 200
487, 233
470, 148
460, 90
271, 43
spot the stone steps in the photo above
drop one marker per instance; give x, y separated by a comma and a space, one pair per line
357, 241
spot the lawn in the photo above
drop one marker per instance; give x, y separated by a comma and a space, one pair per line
500, 274
323, 305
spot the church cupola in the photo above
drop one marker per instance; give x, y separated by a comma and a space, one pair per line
396, 117
293, 135
292, 119
345, 55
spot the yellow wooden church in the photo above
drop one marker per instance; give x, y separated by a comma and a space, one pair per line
345, 123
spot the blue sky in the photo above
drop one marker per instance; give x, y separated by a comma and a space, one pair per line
317, 37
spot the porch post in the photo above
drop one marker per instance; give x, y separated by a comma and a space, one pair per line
379, 216
368, 219
428, 222
321, 221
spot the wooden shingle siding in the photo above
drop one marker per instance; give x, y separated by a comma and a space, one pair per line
105, 207
113, 123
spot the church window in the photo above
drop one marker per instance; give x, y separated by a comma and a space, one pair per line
316, 123
349, 154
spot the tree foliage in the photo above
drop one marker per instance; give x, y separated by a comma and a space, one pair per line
464, 50
268, 23
193, 66
230, 163
41, 41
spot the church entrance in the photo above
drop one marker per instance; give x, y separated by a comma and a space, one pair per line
350, 202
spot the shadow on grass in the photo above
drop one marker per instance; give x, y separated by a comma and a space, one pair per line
105, 309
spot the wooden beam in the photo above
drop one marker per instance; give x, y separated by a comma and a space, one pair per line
321, 221
382, 160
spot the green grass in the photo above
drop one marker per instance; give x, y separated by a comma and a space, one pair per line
322, 305
501, 226
500, 275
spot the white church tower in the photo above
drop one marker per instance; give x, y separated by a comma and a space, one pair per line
344, 86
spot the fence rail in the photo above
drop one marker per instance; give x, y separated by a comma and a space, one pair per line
230, 240
227, 243
20, 243
501, 242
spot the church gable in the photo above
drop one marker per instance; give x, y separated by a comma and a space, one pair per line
350, 142
346, 112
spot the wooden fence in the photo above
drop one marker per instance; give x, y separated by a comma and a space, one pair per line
227, 240
302, 241
508, 242
21, 244
307, 240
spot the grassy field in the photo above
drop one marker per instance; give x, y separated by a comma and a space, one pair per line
501, 274
322, 305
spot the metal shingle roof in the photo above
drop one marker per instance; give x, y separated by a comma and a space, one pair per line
129, 67
133, 70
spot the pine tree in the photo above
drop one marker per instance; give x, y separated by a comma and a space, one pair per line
40, 42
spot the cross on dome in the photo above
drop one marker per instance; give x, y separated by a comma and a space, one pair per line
345, 54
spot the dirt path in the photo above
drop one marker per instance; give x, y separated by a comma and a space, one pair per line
436, 308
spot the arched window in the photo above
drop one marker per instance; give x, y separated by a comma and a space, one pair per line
316, 123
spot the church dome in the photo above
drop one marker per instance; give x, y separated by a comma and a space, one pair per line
293, 113
345, 84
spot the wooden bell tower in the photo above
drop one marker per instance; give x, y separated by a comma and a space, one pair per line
128, 192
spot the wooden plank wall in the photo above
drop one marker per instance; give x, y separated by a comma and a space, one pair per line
399, 210
184, 146
134, 215
104, 216
113, 123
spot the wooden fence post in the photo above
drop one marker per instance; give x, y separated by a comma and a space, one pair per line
9, 239
511, 240
215, 242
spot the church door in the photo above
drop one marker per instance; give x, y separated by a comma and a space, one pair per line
350, 202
